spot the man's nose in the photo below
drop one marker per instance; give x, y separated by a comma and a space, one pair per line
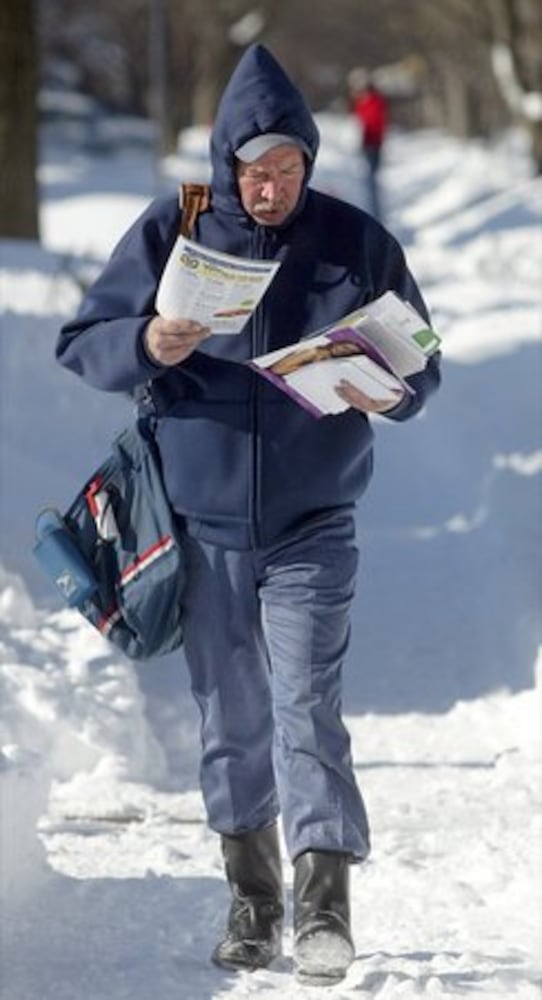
270, 189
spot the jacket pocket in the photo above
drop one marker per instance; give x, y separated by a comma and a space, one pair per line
206, 459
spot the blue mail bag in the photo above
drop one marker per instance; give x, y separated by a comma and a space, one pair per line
115, 554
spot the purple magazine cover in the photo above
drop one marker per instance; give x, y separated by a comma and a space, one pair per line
339, 335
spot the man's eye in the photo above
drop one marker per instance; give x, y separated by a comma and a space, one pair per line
262, 177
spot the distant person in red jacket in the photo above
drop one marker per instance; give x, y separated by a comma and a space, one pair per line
371, 110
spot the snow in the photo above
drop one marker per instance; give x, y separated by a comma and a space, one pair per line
112, 885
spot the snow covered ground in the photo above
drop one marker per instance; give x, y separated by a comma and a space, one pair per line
111, 883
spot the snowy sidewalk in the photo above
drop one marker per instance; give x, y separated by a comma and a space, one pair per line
112, 886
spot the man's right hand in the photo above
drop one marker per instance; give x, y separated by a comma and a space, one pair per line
169, 341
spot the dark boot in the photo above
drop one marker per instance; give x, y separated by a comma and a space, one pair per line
253, 868
323, 946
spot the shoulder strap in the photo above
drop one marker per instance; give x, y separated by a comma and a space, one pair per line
193, 199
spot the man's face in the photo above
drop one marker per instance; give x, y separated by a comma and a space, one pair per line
271, 185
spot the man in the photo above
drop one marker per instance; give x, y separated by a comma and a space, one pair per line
265, 495
371, 111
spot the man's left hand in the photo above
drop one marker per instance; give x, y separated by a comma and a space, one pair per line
360, 401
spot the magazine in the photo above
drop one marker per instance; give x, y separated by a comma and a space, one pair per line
374, 348
214, 288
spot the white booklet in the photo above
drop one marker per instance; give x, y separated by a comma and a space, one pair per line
214, 288
374, 348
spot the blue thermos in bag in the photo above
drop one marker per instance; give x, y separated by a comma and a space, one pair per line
58, 555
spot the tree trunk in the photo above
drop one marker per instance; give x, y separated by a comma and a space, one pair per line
214, 58
535, 131
517, 35
456, 100
18, 186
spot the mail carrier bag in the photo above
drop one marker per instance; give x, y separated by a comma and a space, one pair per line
115, 553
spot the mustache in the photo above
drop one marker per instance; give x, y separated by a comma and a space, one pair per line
267, 206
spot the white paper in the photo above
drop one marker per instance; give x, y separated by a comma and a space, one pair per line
317, 383
214, 288
309, 372
397, 330
382, 344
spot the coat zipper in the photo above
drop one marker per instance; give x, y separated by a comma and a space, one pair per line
258, 346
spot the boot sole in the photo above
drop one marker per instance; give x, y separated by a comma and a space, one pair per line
306, 979
246, 962
322, 959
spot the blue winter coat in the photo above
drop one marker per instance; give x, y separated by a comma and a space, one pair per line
240, 459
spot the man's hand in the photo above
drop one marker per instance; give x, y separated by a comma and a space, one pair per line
169, 341
358, 399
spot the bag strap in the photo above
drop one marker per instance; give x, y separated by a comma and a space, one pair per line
193, 199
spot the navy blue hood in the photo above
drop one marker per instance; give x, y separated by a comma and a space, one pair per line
259, 98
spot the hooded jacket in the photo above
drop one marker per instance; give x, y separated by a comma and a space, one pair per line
244, 463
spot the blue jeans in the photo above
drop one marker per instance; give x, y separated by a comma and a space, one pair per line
265, 635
